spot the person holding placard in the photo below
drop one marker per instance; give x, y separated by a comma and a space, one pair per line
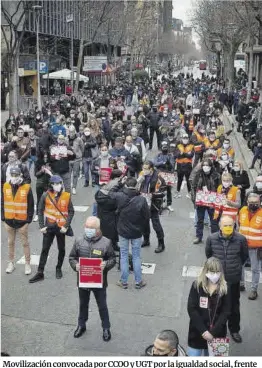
208, 308
92, 245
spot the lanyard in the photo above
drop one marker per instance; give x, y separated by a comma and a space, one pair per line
211, 322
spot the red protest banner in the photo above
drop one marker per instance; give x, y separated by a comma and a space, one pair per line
104, 175
90, 273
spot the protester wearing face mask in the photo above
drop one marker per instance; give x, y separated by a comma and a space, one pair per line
166, 344
232, 198
17, 210
154, 118
139, 143
152, 186
205, 179
24, 144
164, 162
184, 157
226, 148
60, 156
77, 146
250, 225
211, 142
33, 147
12, 162
90, 153
198, 139
208, 308
225, 165
232, 261
93, 245
240, 179
55, 213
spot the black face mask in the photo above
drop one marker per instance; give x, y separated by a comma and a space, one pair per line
164, 151
253, 207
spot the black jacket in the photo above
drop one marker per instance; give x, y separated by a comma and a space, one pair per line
16, 224
106, 212
132, 211
61, 166
232, 253
200, 180
157, 197
201, 318
99, 247
243, 180
154, 118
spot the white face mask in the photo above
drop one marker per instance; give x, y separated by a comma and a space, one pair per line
104, 153
213, 277
87, 134
224, 158
15, 180
259, 185
226, 184
185, 141
57, 187
236, 168
226, 145
146, 172
206, 169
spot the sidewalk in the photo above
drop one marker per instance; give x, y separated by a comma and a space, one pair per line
243, 153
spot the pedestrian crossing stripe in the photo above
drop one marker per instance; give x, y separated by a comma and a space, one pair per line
34, 261
194, 271
148, 268
81, 208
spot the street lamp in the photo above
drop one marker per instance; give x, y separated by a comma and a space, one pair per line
70, 19
37, 9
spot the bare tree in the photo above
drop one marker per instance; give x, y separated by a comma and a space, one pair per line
97, 13
13, 26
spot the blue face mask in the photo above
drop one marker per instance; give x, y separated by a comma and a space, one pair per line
90, 233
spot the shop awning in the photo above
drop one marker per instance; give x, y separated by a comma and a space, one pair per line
65, 74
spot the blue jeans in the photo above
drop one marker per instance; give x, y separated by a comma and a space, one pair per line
31, 160
124, 263
206, 219
196, 352
87, 168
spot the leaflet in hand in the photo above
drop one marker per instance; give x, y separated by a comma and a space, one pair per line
58, 151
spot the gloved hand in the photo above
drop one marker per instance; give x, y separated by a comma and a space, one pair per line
43, 230
63, 230
77, 267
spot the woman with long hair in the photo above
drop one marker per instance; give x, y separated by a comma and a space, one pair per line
208, 307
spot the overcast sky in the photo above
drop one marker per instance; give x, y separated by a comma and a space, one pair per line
180, 9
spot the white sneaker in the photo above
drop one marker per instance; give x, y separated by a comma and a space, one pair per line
80, 176
10, 267
74, 191
171, 209
28, 270
35, 218
177, 195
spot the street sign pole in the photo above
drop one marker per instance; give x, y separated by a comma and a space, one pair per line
70, 19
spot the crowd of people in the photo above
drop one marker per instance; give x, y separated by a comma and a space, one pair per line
106, 136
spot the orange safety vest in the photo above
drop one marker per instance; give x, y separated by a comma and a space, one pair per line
51, 213
15, 208
231, 196
209, 144
251, 228
185, 149
230, 152
191, 125
200, 139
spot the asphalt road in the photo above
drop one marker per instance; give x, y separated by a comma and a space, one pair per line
40, 319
